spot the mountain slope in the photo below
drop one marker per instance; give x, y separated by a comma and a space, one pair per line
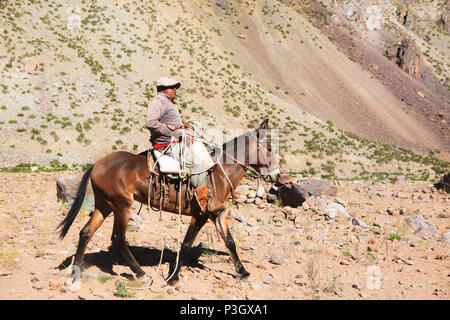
76, 77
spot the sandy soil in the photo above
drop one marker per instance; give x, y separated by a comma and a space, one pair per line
320, 259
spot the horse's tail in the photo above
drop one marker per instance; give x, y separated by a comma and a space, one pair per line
76, 206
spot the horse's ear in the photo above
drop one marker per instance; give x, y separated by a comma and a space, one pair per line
264, 124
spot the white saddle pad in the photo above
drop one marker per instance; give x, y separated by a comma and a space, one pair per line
167, 164
202, 155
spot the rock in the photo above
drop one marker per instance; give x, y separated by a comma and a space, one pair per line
443, 21
240, 199
260, 192
271, 197
264, 266
357, 286
321, 202
252, 222
331, 213
305, 206
357, 222
53, 284
239, 217
409, 58
295, 194
402, 195
298, 223
291, 195
334, 209
392, 211
284, 178
414, 221
376, 229
67, 187
38, 286
276, 258
444, 183
243, 187
400, 180
316, 187
30, 64
424, 228
222, 4
445, 237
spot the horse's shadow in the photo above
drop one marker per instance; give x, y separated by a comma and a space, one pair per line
145, 256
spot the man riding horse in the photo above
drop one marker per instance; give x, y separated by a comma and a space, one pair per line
166, 127
120, 178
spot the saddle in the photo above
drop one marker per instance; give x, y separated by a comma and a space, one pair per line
165, 185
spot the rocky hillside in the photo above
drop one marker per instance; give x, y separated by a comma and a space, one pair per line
350, 87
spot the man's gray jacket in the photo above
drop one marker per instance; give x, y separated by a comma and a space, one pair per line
163, 118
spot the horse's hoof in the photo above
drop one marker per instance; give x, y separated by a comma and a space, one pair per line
244, 275
173, 281
75, 275
73, 283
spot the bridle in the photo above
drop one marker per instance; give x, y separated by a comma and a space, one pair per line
246, 167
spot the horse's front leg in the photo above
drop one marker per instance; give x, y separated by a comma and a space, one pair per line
197, 222
222, 227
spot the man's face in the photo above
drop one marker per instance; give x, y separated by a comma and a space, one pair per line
172, 92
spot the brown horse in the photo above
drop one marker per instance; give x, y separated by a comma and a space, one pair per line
121, 177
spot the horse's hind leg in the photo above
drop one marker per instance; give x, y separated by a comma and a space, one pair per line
86, 234
197, 222
222, 228
120, 224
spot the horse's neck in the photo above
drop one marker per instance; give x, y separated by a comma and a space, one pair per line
235, 173
229, 173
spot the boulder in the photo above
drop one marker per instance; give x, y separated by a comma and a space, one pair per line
276, 258
284, 178
444, 183
414, 221
446, 237
223, 4
443, 21
67, 187
291, 195
316, 187
294, 194
409, 58
424, 228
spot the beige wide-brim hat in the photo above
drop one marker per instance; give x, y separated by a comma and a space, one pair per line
168, 82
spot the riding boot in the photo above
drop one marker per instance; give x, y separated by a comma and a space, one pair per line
201, 193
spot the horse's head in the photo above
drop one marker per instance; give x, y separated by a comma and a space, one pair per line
262, 158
